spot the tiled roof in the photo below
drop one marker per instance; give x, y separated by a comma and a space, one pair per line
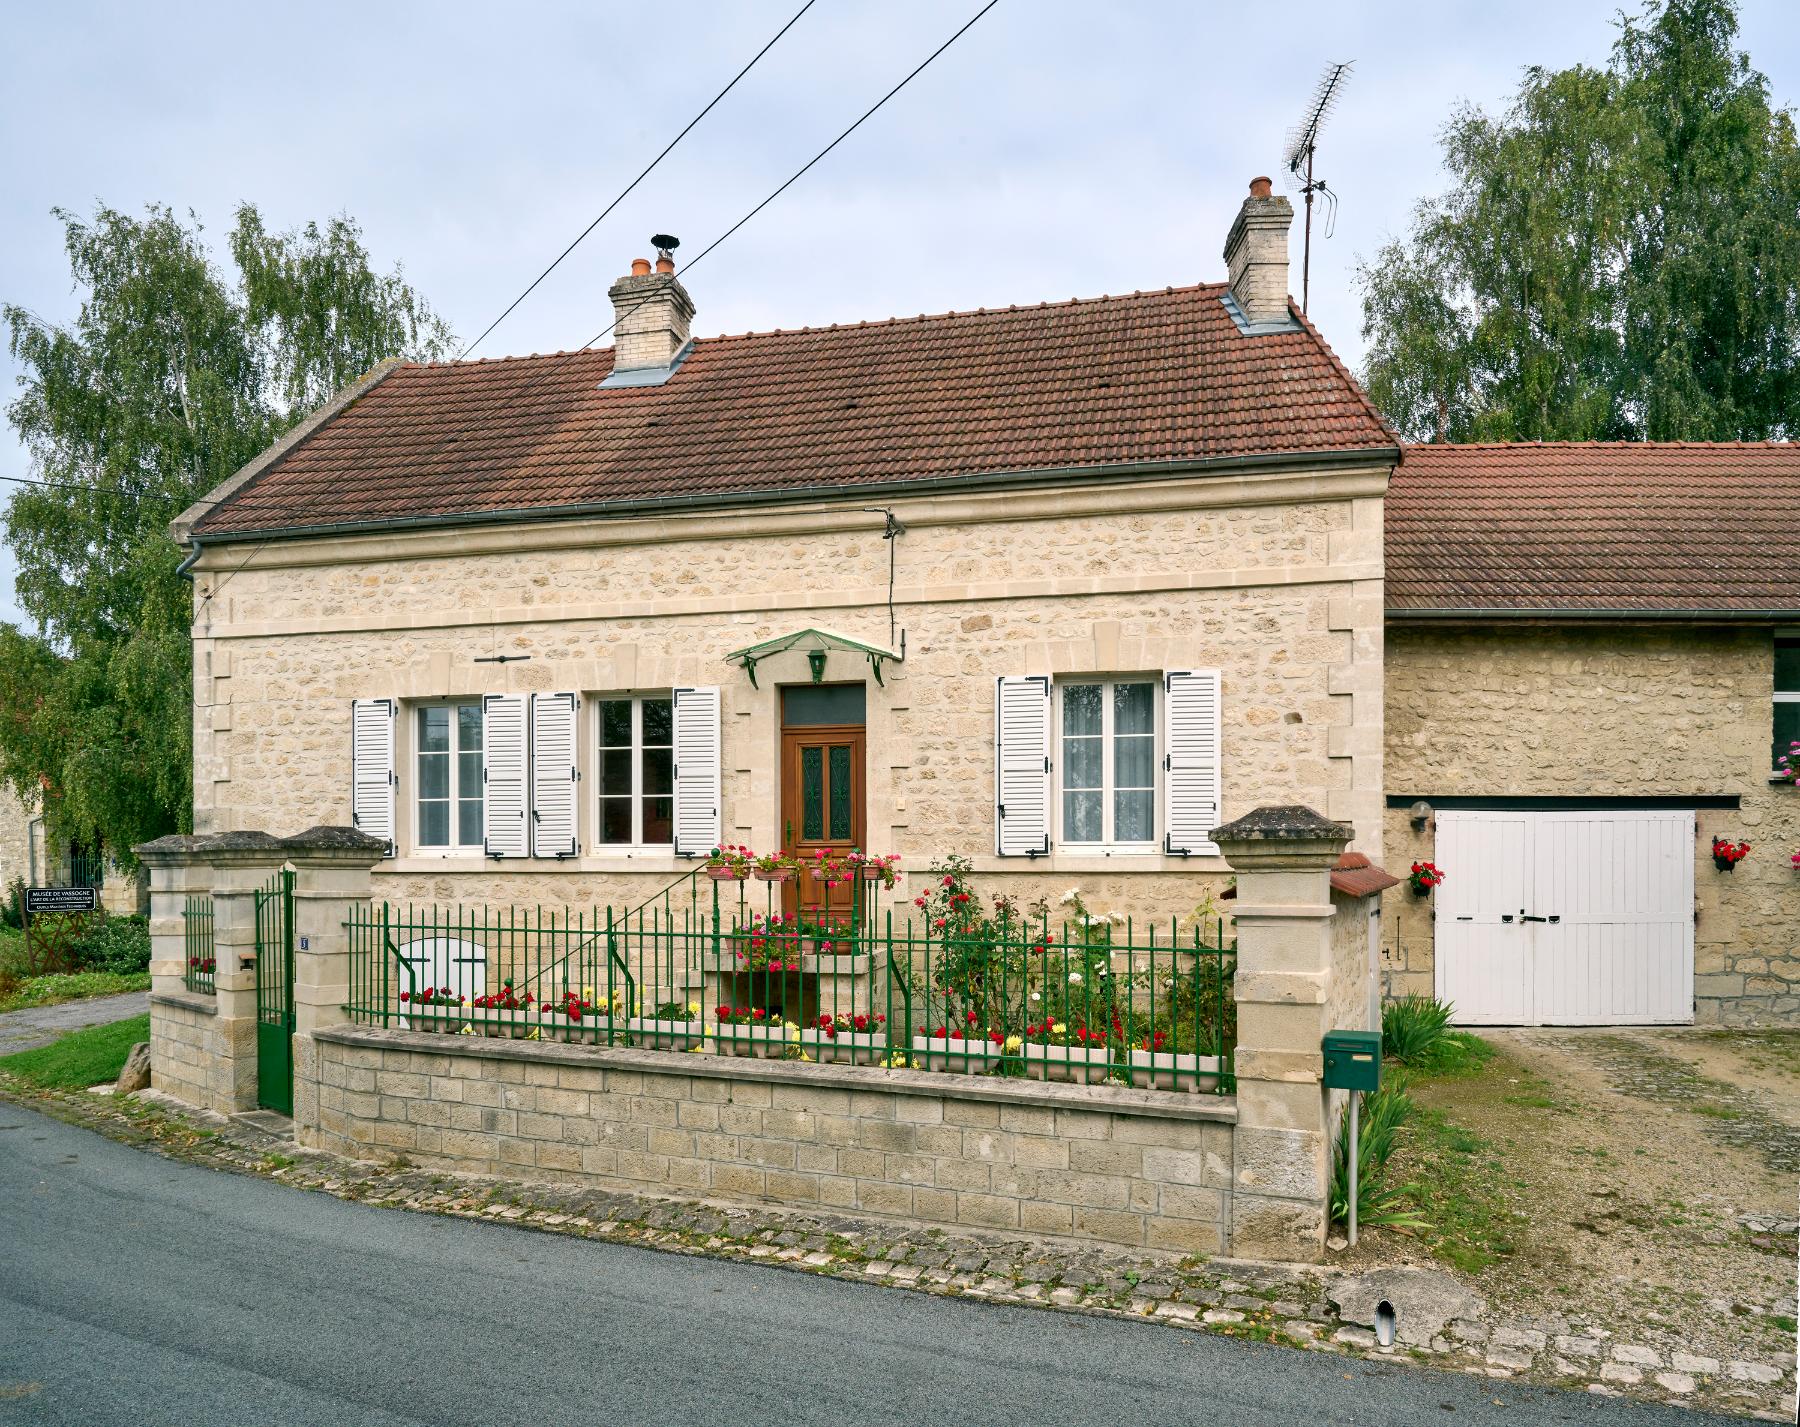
1151, 377
1356, 876
1619, 526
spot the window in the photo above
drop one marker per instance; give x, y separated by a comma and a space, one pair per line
449, 763
1108, 763
1787, 700
637, 772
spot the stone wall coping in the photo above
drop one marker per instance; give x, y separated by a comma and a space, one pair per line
1095, 1099
335, 839
1289, 823
187, 1000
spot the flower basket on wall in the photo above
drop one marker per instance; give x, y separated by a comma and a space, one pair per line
1727, 854
1424, 877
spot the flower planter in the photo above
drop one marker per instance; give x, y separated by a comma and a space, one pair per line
846, 1047
591, 1029
726, 874
433, 1020
1171, 1070
1082, 1065
651, 1034
1724, 864
964, 1057
764, 1041
779, 874
1419, 891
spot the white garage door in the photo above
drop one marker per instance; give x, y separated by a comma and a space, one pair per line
1566, 919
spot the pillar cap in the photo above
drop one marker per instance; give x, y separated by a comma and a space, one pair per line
1290, 836
334, 839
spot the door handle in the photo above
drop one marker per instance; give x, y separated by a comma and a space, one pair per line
1555, 918
1465, 919
1533, 919
1506, 916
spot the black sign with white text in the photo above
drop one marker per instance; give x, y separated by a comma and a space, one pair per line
45, 900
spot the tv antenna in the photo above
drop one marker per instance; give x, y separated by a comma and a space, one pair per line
1302, 144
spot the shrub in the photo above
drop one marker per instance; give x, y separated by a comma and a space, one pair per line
12, 910
120, 945
1383, 1112
1412, 1026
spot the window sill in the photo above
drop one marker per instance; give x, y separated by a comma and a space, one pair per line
663, 864
1132, 863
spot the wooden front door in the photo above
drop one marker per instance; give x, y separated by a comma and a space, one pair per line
822, 797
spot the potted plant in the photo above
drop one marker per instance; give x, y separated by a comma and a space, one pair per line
1424, 877
773, 867
1158, 1066
433, 1010
671, 1025
751, 1031
1055, 1050
1787, 766
847, 1038
961, 1050
729, 863
883, 869
1727, 854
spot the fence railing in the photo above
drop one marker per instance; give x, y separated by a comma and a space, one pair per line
724, 968
197, 926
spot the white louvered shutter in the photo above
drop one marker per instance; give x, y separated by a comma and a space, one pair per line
553, 775
372, 768
1022, 766
1191, 760
697, 780
505, 757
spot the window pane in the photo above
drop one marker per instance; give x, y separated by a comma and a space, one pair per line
1132, 705
468, 775
615, 723
468, 727
615, 772
1787, 666
468, 822
1081, 817
1081, 708
1081, 762
841, 789
812, 793
1787, 733
434, 775
434, 729
659, 722
659, 820
434, 824
659, 770
615, 820
1133, 816
1134, 760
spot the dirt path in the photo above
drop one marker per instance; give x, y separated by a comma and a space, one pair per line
39, 1025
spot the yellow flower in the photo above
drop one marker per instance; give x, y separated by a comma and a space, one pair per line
1058, 1028
693, 1008
536, 1033
1012, 1044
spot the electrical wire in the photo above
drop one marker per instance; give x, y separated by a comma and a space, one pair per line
801, 171
625, 192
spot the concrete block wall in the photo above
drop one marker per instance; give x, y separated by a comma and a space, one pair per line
1140, 1168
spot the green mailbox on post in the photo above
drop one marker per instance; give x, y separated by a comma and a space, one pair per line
1352, 1060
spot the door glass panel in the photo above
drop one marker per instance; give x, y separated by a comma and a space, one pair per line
812, 793
841, 819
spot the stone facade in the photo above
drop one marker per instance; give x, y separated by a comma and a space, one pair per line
1607, 711
1139, 1168
1274, 579
19, 840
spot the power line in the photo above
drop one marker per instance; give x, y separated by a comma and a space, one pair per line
636, 181
74, 486
801, 171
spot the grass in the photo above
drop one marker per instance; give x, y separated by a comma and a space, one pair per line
53, 990
81, 1058
1452, 1189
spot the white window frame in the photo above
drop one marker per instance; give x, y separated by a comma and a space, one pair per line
637, 846
1158, 784
452, 849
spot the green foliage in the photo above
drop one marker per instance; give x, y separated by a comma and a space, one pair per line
1412, 1025
81, 1058
12, 910
1618, 256
120, 945
1377, 1203
61, 986
169, 380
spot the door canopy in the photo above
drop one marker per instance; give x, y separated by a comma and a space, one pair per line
819, 645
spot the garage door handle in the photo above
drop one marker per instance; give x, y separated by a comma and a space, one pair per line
1556, 919
1506, 916
1534, 919
1465, 919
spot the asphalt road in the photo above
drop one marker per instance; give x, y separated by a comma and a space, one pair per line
137, 1290
39, 1025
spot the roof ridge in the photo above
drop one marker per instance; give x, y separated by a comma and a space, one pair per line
1768, 443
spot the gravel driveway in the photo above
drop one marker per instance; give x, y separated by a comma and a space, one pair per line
39, 1025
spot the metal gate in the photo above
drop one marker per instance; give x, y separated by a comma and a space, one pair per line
275, 993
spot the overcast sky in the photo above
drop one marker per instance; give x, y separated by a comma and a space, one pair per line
1058, 150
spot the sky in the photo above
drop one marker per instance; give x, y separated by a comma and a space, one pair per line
1059, 149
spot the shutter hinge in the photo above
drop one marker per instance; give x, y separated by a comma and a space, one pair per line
1003, 810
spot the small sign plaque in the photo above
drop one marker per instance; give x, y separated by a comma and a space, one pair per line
41, 901
306, 943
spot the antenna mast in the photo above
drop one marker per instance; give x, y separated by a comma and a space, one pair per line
1302, 143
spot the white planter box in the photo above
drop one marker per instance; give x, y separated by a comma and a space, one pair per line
651, 1034
964, 1057
1083, 1065
846, 1047
1169, 1070
765, 1041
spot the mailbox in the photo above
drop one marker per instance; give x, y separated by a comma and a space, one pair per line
1352, 1060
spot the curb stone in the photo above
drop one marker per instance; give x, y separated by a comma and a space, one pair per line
1288, 1305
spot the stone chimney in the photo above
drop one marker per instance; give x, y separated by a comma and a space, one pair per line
652, 311
1256, 255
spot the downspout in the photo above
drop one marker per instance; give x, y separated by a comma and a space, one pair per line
186, 568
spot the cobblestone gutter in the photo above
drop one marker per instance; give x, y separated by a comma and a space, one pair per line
1441, 1324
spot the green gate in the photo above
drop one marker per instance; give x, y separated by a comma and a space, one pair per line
275, 993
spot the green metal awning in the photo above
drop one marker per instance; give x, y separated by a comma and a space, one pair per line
817, 642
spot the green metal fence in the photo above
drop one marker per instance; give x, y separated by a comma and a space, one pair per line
197, 926
719, 967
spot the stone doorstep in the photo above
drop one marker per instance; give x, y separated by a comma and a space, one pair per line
1505, 1351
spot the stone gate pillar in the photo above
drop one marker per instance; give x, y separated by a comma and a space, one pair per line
242, 864
186, 1043
1281, 1161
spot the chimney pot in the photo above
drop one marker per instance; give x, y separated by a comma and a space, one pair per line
640, 267
665, 264
1256, 255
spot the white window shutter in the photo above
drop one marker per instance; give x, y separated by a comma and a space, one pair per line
1022, 766
372, 777
697, 780
505, 756
1191, 700
553, 775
